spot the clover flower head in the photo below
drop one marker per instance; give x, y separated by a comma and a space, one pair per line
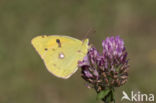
108, 69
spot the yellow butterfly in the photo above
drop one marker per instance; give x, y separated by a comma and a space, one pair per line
60, 53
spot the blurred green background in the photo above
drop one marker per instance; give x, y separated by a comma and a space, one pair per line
23, 77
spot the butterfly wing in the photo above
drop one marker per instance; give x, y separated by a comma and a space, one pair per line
61, 60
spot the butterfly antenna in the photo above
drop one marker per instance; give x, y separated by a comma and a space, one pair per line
90, 32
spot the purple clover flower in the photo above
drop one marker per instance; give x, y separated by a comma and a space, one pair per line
108, 69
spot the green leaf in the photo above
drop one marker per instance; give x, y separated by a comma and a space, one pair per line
108, 99
102, 94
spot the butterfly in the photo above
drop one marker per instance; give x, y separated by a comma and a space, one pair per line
61, 53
